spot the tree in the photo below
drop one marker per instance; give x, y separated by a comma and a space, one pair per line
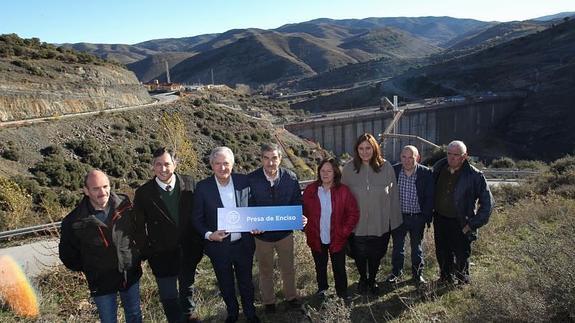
243, 88
173, 134
15, 204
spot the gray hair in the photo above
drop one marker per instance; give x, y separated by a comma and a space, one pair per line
222, 150
458, 144
271, 147
411, 148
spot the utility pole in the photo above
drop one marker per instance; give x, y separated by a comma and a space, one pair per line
167, 72
212, 76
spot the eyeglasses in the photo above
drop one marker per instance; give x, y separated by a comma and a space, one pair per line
454, 154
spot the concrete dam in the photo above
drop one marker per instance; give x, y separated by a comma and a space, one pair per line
423, 124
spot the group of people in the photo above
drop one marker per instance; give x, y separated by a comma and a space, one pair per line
352, 211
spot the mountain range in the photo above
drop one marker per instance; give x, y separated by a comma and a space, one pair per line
288, 53
318, 53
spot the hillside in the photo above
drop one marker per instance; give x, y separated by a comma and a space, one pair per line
390, 42
48, 160
355, 74
184, 44
270, 57
436, 30
120, 53
322, 30
153, 66
262, 58
499, 34
541, 65
40, 80
479, 40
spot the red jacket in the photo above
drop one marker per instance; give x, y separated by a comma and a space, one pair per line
344, 216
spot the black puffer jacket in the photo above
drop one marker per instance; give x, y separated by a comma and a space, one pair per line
104, 251
471, 189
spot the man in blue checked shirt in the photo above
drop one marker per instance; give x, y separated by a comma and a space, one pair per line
415, 183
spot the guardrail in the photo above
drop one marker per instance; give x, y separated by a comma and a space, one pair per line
29, 230
508, 173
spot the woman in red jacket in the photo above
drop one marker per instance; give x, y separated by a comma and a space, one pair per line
332, 214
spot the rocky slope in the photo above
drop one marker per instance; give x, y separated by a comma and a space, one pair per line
39, 80
63, 89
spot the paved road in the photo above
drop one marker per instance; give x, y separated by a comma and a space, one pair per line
36, 257
499, 182
159, 99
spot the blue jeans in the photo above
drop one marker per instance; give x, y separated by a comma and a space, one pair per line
108, 305
415, 226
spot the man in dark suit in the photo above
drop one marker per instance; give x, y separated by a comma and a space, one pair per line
231, 254
162, 208
416, 186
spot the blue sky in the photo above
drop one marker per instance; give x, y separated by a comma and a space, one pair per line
133, 21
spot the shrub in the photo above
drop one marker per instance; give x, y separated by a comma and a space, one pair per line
84, 147
559, 179
31, 186
503, 162
52, 210
15, 205
563, 165
118, 126
531, 164
51, 150
53, 170
134, 127
538, 284
217, 137
69, 199
11, 154
507, 194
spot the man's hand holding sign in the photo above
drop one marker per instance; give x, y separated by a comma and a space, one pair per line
259, 219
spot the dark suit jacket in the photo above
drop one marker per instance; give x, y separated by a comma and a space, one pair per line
205, 212
425, 188
159, 238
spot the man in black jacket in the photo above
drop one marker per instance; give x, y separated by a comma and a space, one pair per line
415, 183
97, 239
272, 185
459, 187
162, 208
